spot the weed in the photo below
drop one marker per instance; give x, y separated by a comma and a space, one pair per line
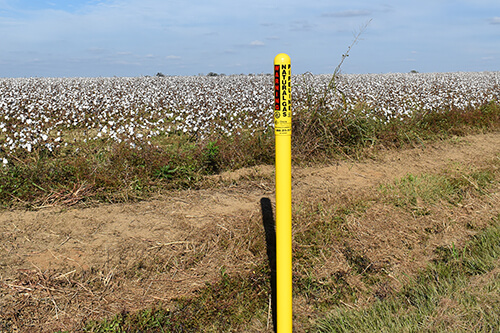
165, 172
211, 157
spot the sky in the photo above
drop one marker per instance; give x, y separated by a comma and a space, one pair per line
103, 38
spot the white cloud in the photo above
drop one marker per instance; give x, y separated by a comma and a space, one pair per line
495, 20
257, 43
301, 25
348, 13
172, 57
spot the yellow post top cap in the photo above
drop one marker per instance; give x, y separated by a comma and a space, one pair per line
282, 58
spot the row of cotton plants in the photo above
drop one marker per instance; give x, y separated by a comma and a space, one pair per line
47, 113
401, 94
39, 111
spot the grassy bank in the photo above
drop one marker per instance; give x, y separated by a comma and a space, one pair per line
106, 171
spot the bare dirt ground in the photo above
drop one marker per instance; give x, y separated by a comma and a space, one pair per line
61, 266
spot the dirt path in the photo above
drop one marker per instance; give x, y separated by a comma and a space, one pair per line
126, 247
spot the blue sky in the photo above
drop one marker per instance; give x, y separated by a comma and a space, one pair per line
57, 38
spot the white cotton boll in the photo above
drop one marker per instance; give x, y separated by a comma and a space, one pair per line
4, 162
45, 137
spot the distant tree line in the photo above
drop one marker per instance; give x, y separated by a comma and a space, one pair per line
214, 74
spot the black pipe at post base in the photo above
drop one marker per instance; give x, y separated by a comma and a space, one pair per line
270, 231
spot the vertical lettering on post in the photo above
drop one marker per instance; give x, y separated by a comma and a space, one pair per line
277, 94
282, 95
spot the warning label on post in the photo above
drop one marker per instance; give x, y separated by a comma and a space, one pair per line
282, 97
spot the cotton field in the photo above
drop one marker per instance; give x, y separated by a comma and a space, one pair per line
45, 113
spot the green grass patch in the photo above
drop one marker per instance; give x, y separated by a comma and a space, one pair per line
418, 193
458, 292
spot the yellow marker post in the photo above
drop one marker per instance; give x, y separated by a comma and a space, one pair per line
283, 136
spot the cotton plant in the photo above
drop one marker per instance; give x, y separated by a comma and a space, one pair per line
37, 112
